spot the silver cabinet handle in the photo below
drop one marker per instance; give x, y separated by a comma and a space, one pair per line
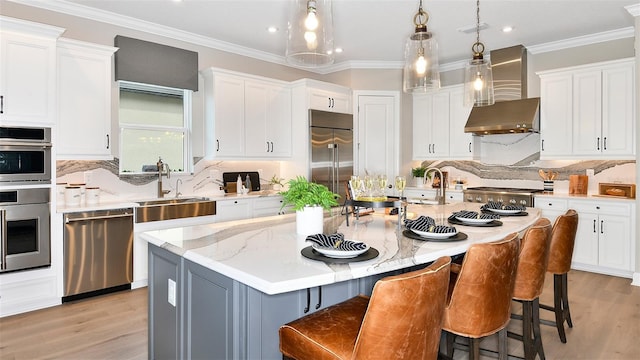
3, 242
70, 220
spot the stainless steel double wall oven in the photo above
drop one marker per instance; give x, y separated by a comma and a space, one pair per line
25, 228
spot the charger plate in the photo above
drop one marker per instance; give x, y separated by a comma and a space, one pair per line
312, 254
411, 235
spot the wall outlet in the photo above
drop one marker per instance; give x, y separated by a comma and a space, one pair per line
171, 290
590, 172
88, 176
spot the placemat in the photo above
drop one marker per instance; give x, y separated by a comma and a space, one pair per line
521, 213
309, 253
411, 235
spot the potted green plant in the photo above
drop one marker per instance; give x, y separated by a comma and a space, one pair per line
276, 182
418, 175
309, 200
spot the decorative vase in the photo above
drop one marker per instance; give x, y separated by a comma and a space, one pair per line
419, 181
310, 220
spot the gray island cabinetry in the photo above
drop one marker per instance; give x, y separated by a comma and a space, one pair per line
222, 290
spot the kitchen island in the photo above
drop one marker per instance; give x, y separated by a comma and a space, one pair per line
222, 290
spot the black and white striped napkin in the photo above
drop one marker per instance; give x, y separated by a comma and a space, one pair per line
498, 205
336, 241
467, 214
422, 223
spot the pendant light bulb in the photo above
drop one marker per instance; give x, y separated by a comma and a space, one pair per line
311, 39
311, 22
421, 65
310, 33
478, 84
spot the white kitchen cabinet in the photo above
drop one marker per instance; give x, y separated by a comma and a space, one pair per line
438, 125
267, 120
250, 116
233, 209
595, 104
418, 193
551, 207
329, 97
431, 125
84, 100
460, 143
605, 238
269, 206
27, 72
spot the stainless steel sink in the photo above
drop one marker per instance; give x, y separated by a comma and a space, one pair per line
169, 209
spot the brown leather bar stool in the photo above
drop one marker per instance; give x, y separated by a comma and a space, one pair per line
401, 320
563, 236
532, 267
481, 290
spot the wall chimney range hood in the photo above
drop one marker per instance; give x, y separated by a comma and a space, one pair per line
513, 112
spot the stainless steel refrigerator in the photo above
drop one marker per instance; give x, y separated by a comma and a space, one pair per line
331, 149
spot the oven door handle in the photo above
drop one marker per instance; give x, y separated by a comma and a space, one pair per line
101, 217
25, 144
3, 242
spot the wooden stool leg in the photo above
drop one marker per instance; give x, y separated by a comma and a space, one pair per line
537, 337
502, 344
557, 304
565, 300
449, 339
529, 354
474, 349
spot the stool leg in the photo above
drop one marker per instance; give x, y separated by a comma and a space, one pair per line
537, 337
449, 339
474, 349
565, 300
502, 344
557, 304
529, 354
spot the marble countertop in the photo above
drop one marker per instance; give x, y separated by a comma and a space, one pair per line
564, 195
264, 253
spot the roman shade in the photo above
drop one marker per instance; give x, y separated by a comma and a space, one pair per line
156, 64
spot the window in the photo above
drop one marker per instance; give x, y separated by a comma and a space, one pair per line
155, 122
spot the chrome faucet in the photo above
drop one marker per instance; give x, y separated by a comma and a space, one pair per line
162, 167
440, 193
178, 182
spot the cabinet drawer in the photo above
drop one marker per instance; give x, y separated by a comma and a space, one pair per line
546, 203
610, 208
420, 194
268, 203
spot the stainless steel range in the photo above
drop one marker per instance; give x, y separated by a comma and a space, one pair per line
505, 195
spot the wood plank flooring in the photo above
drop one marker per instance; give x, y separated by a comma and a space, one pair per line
605, 312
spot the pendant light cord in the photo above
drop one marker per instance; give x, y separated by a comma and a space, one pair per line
477, 21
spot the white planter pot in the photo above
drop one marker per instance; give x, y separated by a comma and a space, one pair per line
419, 181
310, 220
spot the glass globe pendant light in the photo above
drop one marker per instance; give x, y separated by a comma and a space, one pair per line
478, 77
421, 57
310, 34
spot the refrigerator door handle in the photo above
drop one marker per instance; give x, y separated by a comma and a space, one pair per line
336, 166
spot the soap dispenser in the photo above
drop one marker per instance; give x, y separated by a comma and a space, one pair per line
239, 185
247, 183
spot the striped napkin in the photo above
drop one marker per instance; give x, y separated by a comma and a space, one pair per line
466, 214
421, 223
336, 241
498, 205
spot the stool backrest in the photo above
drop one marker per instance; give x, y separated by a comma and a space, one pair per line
404, 316
533, 260
480, 302
563, 236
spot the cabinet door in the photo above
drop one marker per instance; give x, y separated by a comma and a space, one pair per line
278, 121
208, 316
587, 113
269, 206
556, 114
461, 143
165, 284
255, 117
330, 101
439, 126
27, 78
422, 109
228, 116
618, 110
237, 209
84, 101
614, 245
585, 249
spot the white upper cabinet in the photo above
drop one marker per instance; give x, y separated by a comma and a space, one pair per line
438, 125
27, 72
249, 117
84, 100
329, 97
588, 112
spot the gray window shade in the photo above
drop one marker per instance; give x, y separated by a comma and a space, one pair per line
156, 64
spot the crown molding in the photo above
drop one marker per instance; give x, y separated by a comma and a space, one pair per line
633, 9
83, 11
583, 40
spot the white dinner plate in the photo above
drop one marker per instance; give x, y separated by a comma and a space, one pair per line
433, 235
337, 253
474, 220
505, 211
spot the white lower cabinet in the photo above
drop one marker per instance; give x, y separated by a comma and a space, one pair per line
605, 237
269, 206
236, 209
551, 207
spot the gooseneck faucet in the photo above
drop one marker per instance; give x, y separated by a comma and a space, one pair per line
440, 194
162, 167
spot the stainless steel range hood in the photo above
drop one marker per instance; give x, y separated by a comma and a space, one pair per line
513, 112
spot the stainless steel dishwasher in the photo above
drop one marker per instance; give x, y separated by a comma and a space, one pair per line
98, 252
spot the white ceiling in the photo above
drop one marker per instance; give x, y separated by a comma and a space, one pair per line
370, 31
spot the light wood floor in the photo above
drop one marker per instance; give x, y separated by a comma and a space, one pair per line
605, 312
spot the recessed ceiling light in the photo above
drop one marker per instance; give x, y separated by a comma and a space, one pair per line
272, 29
507, 29
472, 28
